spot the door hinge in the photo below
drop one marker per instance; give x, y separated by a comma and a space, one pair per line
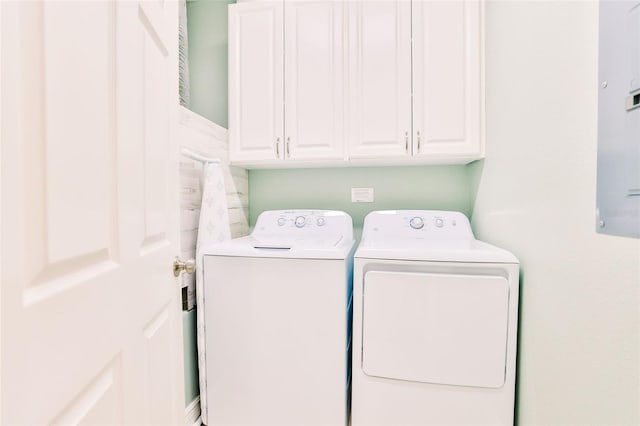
188, 298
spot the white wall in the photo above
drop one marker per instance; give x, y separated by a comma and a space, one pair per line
579, 360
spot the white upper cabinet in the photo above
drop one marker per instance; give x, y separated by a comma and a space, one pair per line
415, 81
313, 80
331, 82
447, 80
286, 92
379, 121
256, 124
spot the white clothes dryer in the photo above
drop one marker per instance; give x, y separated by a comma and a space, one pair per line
435, 320
278, 321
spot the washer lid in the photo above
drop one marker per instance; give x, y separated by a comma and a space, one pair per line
335, 247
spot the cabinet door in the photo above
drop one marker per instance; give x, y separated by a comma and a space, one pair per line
313, 79
447, 79
255, 81
379, 79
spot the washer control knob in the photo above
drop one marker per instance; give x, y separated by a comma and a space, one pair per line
416, 222
439, 222
321, 221
281, 221
300, 221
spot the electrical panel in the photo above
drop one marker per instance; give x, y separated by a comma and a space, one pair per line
618, 191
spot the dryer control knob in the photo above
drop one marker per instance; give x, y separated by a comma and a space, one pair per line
281, 221
416, 222
300, 221
439, 222
321, 221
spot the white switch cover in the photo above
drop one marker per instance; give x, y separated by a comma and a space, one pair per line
362, 195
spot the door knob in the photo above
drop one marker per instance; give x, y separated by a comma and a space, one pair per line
188, 266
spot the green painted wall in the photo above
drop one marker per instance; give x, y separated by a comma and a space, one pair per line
409, 187
208, 41
189, 336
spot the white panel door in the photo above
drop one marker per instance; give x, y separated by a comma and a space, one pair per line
255, 81
379, 78
313, 79
447, 78
91, 330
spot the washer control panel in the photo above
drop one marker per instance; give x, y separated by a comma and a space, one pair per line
302, 222
299, 221
417, 224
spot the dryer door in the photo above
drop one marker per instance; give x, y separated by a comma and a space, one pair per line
435, 328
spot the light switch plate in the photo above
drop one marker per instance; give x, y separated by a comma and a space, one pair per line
362, 195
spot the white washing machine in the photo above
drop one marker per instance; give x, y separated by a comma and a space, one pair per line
278, 321
435, 320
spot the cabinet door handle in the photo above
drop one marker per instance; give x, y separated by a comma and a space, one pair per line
406, 141
288, 154
278, 147
418, 136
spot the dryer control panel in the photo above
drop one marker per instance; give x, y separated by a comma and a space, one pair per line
417, 224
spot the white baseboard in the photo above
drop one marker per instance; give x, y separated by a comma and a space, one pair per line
192, 413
